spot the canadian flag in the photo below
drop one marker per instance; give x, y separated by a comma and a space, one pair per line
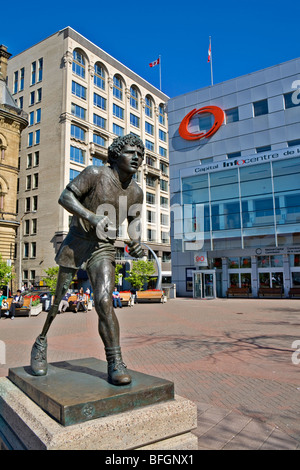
156, 62
209, 53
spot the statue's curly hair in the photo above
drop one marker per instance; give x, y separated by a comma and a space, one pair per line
117, 145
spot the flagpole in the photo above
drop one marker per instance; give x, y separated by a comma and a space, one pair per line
211, 68
160, 73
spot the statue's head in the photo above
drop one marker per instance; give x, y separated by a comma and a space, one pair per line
115, 149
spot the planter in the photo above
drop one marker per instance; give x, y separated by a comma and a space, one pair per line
36, 309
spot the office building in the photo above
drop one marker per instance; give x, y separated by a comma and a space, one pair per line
235, 184
78, 99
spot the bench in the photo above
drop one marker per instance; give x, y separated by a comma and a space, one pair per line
126, 298
73, 299
150, 296
237, 291
294, 291
21, 311
270, 291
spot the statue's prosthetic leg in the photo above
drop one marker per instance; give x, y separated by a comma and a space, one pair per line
39, 363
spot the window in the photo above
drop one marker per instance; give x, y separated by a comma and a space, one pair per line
29, 160
34, 203
28, 182
162, 152
34, 226
22, 76
40, 70
164, 185
118, 130
149, 145
162, 135
118, 111
291, 143
148, 107
33, 250
30, 139
32, 98
37, 137
33, 73
232, 115
99, 77
151, 217
161, 115
150, 161
99, 101
77, 155
164, 219
97, 139
36, 159
150, 181
134, 120
26, 252
78, 111
27, 204
164, 202
35, 182
21, 101
150, 198
16, 81
290, 101
38, 116
134, 98
260, 107
165, 237
149, 128
77, 132
39, 95
234, 155
31, 118
97, 161
99, 121
73, 174
117, 88
266, 148
151, 235
27, 227
164, 168
78, 64
78, 90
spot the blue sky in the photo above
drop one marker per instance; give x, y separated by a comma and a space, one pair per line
246, 36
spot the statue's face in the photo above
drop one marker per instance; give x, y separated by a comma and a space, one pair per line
130, 159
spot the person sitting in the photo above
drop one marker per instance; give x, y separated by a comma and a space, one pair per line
116, 298
64, 303
17, 302
81, 301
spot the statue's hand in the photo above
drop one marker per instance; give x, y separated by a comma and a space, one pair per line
135, 249
104, 228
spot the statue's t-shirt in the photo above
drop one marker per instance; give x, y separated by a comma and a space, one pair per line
99, 190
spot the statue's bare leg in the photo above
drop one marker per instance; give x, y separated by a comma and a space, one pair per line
102, 278
39, 364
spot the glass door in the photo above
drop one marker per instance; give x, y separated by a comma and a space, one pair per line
204, 284
197, 285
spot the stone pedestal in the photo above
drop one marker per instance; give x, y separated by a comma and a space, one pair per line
93, 415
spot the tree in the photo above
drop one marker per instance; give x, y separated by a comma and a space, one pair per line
140, 273
51, 279
119, 267
6, 273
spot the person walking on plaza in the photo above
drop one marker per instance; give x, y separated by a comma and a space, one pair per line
117, 299
17, 302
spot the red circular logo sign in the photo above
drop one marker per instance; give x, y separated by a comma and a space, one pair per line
218, 114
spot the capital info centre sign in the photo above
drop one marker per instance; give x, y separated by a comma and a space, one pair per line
242, 161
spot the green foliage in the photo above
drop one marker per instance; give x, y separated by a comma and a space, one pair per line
6, 273
119, 267
140, 273
51, 279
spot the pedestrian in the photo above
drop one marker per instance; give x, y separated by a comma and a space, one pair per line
117, 298
16, 302
81, 301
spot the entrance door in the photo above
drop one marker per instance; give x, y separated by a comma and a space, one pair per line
204, 284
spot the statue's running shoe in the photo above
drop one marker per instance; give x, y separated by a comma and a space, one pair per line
39, 363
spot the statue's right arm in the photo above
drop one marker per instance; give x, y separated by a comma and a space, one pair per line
71, 203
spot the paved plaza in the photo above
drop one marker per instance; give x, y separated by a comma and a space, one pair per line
236, 359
